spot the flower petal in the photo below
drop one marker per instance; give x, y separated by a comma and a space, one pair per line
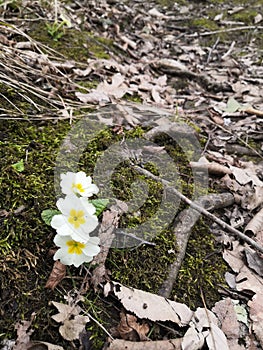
78, 183
91, 249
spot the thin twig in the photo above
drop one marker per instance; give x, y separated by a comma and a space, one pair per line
97, 322
225, 30
201, 210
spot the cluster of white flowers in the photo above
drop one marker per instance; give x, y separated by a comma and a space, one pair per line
76, 221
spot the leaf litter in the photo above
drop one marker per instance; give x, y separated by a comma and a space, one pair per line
222, 96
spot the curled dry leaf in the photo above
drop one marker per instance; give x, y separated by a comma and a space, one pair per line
204, 328
256, 199
255, 224
56, 276
254, 260
130, 329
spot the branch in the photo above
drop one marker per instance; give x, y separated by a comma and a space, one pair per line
201, 210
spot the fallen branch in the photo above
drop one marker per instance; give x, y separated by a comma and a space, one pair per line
183, 228
120, 344
174, 67
201, 210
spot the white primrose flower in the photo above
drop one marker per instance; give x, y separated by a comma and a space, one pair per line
78, 183
77, 218
75, 253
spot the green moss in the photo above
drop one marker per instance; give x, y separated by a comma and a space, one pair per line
204, 23
202, 271
170, 3
247, 16
73, 44
24, 259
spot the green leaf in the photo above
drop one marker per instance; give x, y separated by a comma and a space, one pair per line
232, 105
19, 166
48, 214
99, 204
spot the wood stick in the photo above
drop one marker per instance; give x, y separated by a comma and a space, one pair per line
200, 209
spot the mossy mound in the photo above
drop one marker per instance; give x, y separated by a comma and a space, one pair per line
25, 260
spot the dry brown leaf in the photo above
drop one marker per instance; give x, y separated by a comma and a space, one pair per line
234, 257
72, 322
224, 309
130, 329
71, 329
256, 314
23, 334
57, 274
254, 260
65, 311
93, 97
116, 89
204, 328
256, 199
234, 345
247, 281
245, 176
148, 305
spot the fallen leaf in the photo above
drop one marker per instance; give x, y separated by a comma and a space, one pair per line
193, 340
255, 224
224, 309
144, 305
130, 329
56, 276
256, 314
254, 260
258, 18
65, 311
116, 89
93, 97
69, 315
71, 329
23, 334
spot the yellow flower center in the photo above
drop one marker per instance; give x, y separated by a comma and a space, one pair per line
75, 247
76, 218
78, 187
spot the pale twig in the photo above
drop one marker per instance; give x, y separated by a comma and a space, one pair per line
225, 31
97, 322
201, 210
19, 110
229, 50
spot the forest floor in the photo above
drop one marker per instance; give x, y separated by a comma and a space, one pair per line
134, 94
